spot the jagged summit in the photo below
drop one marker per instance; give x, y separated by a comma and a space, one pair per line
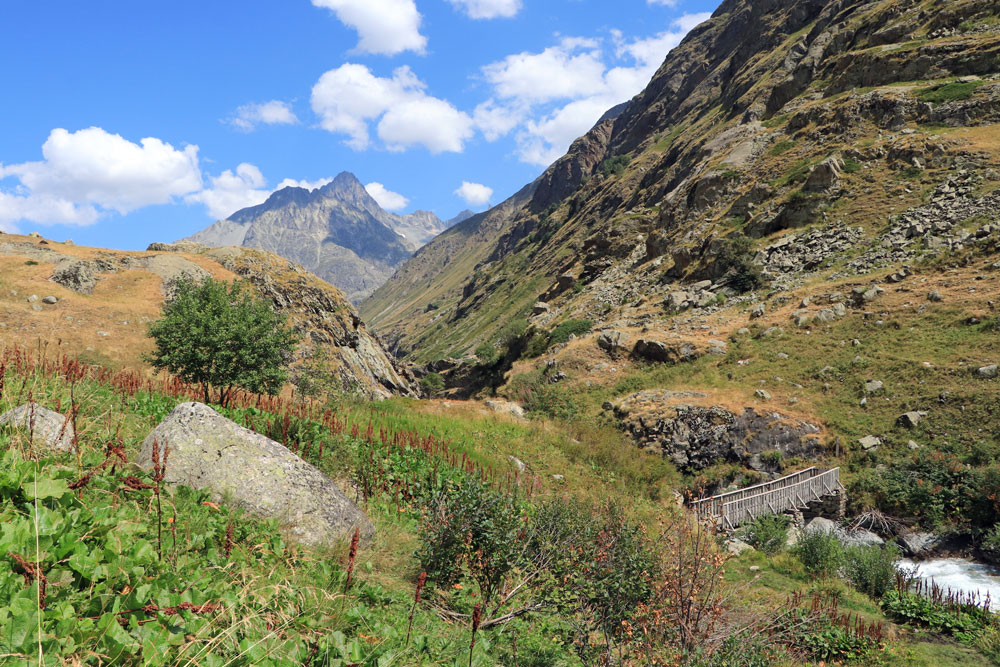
338, 231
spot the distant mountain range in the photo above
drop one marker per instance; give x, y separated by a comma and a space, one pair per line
338, 232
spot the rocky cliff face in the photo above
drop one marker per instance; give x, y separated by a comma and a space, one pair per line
339, 232
837, 115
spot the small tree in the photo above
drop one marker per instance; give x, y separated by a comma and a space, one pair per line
217, 334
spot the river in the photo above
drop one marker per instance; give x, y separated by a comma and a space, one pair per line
960, 574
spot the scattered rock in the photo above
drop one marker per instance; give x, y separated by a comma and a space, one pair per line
758, 311
988, 372
870, 443
736, 547
540, 308
518, 463
47, 429
763, 395
916, 545
821, 525
33, 298
612, 342
935, 296
910, 419
874, 386
210, 452
666, 353
505, 408
50, 300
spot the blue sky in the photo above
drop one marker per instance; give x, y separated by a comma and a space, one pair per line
127, 122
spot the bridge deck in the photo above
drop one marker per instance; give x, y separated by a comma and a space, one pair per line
795, 491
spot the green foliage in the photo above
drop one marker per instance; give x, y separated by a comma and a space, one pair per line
471, 529
219, 335
487, 354
957, 620
31, 262
872, 569
772, 458
990, 546
851, 166
827, 642
949, 92
768, 533
432, 384
912, 173
781, 147
564, 330
735, 261
614, 166
820, 552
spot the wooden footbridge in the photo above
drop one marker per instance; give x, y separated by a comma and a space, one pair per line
787, 494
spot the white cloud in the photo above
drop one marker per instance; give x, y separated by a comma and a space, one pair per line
488, 9
555, 96
385, 27
349, 98
663, 3
387, 199
233, 192
88, 172
308, 185
426, 121
475, 194
571, 69
275, 112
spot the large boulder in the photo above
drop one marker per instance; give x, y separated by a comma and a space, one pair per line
48, 430
257, 474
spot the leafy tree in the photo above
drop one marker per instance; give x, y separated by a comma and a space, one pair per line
219, 335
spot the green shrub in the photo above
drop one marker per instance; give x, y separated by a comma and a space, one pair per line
990, 546
487, 354
912, 173
31, 262
942, 617
219, 334
820, 552
768, 533
614, 166
851, 166
781, 147
472, 530
735, 261
772, 458
432, 384
569, 328
872, 569
949, 92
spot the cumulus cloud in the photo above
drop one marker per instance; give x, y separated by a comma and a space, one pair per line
308, 185
348, 99
387, 199
555, 96
249, 116
231, 192
573, 68
488, 9
386, 27
663, 3
475, 194
89, 172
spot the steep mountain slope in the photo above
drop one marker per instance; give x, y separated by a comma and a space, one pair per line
103, 301
338, 231
771, 115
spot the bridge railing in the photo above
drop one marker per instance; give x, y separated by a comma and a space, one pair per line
713, 506
735, 508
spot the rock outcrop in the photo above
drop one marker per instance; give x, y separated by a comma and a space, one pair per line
694, 436
258, 475
44, 429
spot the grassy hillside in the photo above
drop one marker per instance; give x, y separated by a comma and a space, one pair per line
137, 574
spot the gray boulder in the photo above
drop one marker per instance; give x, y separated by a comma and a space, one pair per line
870, 442
988, 372
918, 544
47, 429
210, 452
505, 408
612, 342
910, 419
